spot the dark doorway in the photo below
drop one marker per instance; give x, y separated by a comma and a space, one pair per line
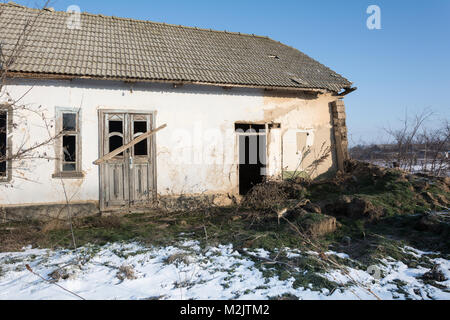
252, 156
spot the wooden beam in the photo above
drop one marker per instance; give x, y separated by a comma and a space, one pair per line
133, 142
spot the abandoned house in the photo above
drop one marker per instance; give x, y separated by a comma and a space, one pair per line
187, 111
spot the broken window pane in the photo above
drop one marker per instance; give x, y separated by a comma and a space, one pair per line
114, 143
115, 126
140, 149
140, 127
69, 122
69, 148
3, 135
69, 153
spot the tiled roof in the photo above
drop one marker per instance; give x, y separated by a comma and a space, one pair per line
117, 48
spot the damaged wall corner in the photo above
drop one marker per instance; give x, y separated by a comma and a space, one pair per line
340, 132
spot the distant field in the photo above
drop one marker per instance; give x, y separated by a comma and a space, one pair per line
420, 167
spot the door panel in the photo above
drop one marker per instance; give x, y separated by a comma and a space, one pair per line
115, 170
140, 189
127, 179
116, 188
141, 163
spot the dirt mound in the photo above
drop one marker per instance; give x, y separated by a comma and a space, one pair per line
362, 192
311, 224
437, 223
316, 224
271, 196
353, 207
358, 168
266, 196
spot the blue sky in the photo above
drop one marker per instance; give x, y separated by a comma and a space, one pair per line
404, 67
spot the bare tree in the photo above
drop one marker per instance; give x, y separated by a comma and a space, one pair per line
434, 148
404, 140
414, 147
14, 113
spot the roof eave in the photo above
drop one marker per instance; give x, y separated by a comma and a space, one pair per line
54, 76
347, 91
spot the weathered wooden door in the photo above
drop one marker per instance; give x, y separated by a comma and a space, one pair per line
126, 180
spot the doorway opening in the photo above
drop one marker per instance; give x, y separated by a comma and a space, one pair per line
252, 155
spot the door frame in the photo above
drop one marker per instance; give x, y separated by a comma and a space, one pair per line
101, 125
237, 148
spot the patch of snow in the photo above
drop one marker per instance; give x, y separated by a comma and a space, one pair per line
340, 255
416, 252
218, 272
258, 253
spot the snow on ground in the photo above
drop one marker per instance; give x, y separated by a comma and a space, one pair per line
186, 271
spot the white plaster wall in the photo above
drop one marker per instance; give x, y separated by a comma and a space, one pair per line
293, 157
197, 118
303, 113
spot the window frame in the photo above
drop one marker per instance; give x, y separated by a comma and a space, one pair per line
59, 155
9, 129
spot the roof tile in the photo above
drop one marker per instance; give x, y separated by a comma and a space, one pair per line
125, 48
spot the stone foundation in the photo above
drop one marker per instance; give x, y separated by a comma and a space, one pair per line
47, 212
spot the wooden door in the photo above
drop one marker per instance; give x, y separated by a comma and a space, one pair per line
141, 162
127, 179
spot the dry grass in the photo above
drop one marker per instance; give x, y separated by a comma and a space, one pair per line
54, 225
113, 221
178, 258
126, 273
13, 237
268, 196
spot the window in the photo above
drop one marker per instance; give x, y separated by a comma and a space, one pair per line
5, 143
68, 144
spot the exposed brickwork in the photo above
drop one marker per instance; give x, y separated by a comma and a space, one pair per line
340, 132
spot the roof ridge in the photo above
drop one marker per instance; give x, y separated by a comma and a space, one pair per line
13, 4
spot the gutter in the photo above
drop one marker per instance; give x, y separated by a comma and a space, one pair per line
347, 91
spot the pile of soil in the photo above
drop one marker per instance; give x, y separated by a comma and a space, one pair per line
363, 191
